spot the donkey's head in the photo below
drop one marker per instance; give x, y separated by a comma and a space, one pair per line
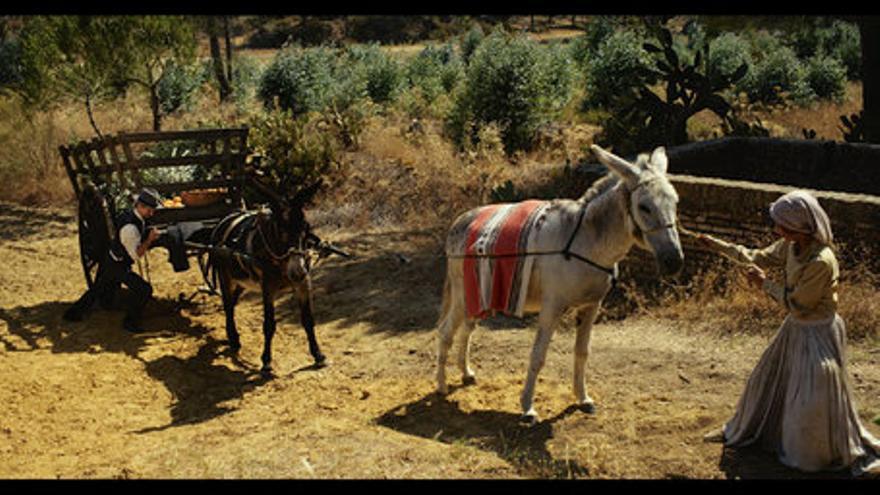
651, 204
285, 230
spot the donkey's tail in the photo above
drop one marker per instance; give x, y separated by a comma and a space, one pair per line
447, 300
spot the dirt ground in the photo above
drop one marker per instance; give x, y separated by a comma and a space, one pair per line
87, 400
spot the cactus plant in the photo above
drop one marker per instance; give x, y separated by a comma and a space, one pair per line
688, 90
854, 128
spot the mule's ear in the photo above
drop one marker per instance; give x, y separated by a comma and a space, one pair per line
626, 171
659, 161
304, 196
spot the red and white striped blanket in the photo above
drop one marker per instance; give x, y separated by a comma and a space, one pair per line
499, 284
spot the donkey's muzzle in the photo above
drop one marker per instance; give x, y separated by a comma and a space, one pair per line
670, 263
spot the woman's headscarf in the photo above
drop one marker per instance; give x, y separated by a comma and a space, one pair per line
799, 211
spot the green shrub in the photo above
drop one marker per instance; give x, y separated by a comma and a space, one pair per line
435, 70
299, 79
829, 37
811, 38
348, 108
617, 69
470, 41
845, 45
320, 80
582, 49
10, 63
826, 77
294, 153
727, 53
777, 72
514, 83
559, 73
246, 74
384, 74
178, 86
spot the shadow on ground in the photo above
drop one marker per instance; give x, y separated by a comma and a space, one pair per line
18, 222
388, 289
198, 385
755, 463
525, 448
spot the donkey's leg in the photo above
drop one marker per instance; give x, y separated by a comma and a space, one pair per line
268, 329
230, 297
467, 374
550, 314
586, 315
308, 322
451, 319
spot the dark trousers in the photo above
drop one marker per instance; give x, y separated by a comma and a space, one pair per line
110, 274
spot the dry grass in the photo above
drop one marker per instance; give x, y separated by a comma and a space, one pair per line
787, 121
718, 300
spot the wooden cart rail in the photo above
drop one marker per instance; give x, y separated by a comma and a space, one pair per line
121, 159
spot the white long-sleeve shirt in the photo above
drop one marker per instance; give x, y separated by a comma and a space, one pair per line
130, 237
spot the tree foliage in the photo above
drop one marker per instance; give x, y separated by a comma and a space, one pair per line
91, 58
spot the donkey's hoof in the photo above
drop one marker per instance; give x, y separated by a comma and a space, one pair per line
266, 371
442, 390
587, 407
468, 380
234, 345
321, 362
529, 419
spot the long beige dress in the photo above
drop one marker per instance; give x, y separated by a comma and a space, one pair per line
798, 401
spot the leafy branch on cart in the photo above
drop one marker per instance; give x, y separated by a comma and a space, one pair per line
290, 153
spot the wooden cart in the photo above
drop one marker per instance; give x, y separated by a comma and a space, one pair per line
200, 172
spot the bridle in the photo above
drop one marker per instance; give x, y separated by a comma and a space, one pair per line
639, 230
278, 259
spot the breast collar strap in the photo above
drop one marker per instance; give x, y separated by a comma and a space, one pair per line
612, 272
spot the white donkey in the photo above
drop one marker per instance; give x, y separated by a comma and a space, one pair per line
574, 247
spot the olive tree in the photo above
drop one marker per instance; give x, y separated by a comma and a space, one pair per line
91, 58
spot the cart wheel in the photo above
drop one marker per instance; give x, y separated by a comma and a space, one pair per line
95, 231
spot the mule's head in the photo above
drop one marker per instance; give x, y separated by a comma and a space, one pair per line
652, 205
287, 231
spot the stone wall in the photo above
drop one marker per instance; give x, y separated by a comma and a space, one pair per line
826, 165
737, 211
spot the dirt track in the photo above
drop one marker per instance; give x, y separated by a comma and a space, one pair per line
87, 400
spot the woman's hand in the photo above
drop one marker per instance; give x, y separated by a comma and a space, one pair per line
755, 275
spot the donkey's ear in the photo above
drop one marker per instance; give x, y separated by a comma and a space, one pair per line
659, 161
626, 171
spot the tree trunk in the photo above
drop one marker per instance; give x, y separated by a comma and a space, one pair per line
228, 39
869, 28
154, 106
217, 58
92, 117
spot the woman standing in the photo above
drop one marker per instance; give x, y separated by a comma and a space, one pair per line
798, 400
